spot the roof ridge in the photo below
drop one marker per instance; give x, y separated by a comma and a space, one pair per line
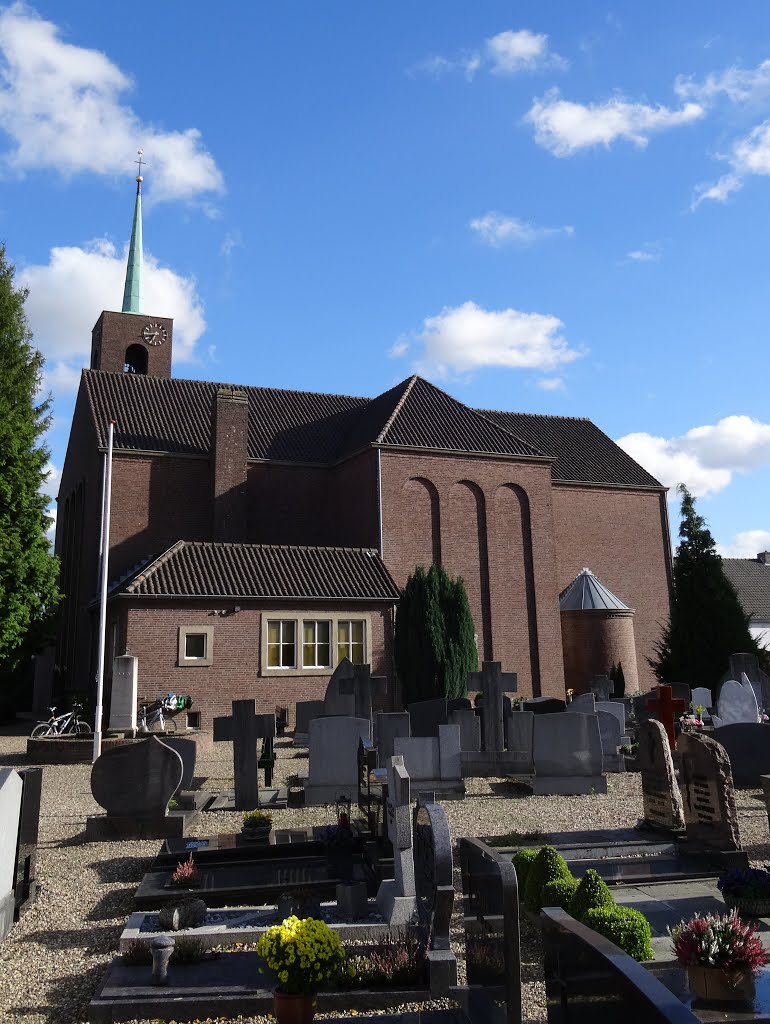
153, 564
398, 407
527, 444
259, 544
543, 415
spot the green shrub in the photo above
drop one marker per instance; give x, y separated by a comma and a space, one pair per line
548, 866
627, 928
592, 893
559, 893
522, 861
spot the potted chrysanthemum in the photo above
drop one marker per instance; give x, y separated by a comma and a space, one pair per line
304, 954
256, 824
721, 955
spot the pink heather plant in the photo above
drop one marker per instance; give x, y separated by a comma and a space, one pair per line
719, 940
186, 873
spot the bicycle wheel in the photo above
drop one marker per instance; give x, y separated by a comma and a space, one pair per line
42, 730
83, 728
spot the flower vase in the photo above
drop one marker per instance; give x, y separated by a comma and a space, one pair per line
713, 985
289, 1009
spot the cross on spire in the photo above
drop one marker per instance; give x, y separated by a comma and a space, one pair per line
139, 177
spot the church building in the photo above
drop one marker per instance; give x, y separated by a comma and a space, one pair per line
259, 535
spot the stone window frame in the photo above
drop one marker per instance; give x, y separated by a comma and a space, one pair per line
182, 660
298, 617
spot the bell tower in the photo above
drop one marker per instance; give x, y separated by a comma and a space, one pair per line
132, 341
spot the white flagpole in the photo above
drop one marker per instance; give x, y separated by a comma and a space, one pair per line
105, 546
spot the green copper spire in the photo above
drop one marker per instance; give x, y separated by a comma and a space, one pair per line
132, 293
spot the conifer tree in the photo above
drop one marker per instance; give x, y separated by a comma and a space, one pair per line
28, 590
707, 623
435, 644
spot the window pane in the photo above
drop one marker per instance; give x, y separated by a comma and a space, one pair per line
323, 656
342, 651
195, 645
273, 632
288, 631
323, 632
357, 654
357, 632
308, 655
343, 632
287, 655
308, 632
273, 653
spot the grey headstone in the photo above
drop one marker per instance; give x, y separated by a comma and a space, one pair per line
26, 848
701, 695
389, 725
660, 793
421, 757
681, 691
613, 707
543, 705
333, 764
10, 815
449, 752
470, 728
435, 891
760, 681
737, 703
602, 687
609, 732
123, 693
306, 711
493, 684
427, 715
748, 747
520, 732
584, 702
396, 897
137, 779
711, 815
566, 745
187, 750
351, 689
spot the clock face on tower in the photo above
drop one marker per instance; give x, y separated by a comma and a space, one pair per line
155, 334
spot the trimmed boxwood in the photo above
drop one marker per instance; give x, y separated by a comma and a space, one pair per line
522, 861
559, 893
593, 892
624, 926
548, 866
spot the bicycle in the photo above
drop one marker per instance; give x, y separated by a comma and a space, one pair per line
60, 725
156, 722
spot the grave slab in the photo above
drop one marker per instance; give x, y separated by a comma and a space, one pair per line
10, 814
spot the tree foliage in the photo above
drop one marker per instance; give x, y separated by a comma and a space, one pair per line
707, 623
435, 642
28, 590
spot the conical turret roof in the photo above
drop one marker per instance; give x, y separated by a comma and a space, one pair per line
587, 593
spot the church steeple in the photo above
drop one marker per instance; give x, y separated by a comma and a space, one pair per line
132, 293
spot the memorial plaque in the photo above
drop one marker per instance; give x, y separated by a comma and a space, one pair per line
660, 793
711, 816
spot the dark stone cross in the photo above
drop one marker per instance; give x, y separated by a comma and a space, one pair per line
663, 706
363, 686
244, 727
603, 687
493, 684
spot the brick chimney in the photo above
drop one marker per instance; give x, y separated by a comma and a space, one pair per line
229, 452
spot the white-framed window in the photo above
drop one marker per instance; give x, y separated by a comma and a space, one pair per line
316, 643
196, 645
350, 640
281, 643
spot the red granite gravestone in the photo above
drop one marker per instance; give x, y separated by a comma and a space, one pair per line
664, 706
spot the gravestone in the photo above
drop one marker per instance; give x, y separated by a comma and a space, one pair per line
665, 707
660, 793
493, 684
244, 728
543, 705
124, 690
748, 664
397, 896
306, 711
470, 729
610, 735
602, 687
584, 702
519, 735
737, 703
389, 725
333, 764
435, 891
748, 747
614, 707
10, 814
134, 784
701, 695
433, 764
567, 753
351, 689
682, 691
426, 716
25, 885
187, 750
711, 815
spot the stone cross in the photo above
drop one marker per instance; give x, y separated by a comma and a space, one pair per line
363, 686
603, 687
663, 706
493, 683
244, 727
397, 897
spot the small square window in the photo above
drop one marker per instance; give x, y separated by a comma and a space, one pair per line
350, 640
195, 645
281, 646
193, 719
316, 646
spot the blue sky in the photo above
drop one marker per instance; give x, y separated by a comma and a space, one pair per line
548, 207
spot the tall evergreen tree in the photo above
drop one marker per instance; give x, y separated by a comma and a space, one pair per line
435, 643
707, 623
28, 590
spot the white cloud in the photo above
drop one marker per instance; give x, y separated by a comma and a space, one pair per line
648, 253
497, 229
750, 155
67, 294
705, 458
739, 85
61, 106
746, 544
507, 53
398, 349
468, 337
510, 52
564, 127
551, 384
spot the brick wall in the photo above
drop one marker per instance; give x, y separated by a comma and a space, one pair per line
152, 635
594, 641
622, 537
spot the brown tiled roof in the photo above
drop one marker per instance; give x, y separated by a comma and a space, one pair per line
751, 579
174, 415
583, 453
198, 569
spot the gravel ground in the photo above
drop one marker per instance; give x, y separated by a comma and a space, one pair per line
53, 959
